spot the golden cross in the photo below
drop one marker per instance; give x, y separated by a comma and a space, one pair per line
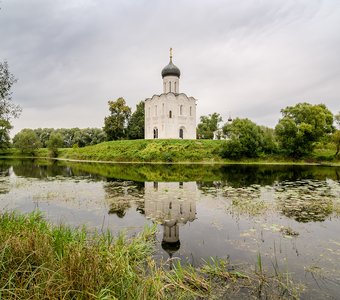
171, 53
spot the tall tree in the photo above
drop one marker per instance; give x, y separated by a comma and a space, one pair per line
207, 126
54, 143
27, 141
135, 129
302, 126
8, 109
115, 124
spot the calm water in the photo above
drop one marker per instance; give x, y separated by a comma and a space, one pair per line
289, 214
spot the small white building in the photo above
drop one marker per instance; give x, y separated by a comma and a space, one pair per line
170, 115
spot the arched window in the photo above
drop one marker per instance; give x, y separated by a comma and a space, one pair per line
181, 133
149, 114
155, 133
169, 86
162, 108
181, 110
175, 87
170, 114
190, 111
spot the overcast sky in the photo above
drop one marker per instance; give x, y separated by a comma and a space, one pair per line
244, 58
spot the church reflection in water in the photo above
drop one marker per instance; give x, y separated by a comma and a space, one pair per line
171, 204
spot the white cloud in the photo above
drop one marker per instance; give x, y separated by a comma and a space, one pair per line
248, 58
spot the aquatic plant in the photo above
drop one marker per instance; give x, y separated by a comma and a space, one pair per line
40, 261
305, 200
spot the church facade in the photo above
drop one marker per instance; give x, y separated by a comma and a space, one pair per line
170, 115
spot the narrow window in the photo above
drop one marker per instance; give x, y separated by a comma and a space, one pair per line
149, 114
155, 133
181, 133
181, 110
170, 205
156, 110
170, 86
170, 114
175, 87
163, 109
155, 186
190, 111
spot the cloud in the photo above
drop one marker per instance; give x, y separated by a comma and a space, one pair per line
247, 58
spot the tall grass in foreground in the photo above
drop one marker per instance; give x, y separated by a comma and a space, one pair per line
41, 261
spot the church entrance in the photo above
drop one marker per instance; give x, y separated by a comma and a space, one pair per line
155, 133
181, 133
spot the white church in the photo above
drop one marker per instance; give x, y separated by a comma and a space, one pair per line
170, 115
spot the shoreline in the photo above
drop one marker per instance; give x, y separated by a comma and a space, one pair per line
262, 162
298, 163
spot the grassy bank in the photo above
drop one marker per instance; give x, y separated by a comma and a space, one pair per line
41, 261
149, 151
198, 151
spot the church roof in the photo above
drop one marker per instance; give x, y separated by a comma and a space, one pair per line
171, 93
171, 69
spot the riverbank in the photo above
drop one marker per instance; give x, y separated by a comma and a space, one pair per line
39, 260
169, 151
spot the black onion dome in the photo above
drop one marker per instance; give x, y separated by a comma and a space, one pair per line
171, 70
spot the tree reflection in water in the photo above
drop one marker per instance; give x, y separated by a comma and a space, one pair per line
121, 195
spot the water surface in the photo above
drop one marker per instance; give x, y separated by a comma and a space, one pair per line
289, 214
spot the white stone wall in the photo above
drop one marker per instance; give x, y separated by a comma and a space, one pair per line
168, 113
170, 84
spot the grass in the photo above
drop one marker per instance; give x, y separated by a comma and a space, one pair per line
148, 151
41, 261
170, 151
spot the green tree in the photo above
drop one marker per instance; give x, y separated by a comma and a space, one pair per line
135, 129
245, 139
54, 143
269, 140
44, 135
336, 134
337, 119
115, 124
5, 127
8, 109
302, 126
27, 141
336, 141
207, 126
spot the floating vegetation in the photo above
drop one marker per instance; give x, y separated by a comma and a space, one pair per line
288, 231
305, 200
246, 200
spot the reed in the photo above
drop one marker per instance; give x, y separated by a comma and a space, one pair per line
42, 261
